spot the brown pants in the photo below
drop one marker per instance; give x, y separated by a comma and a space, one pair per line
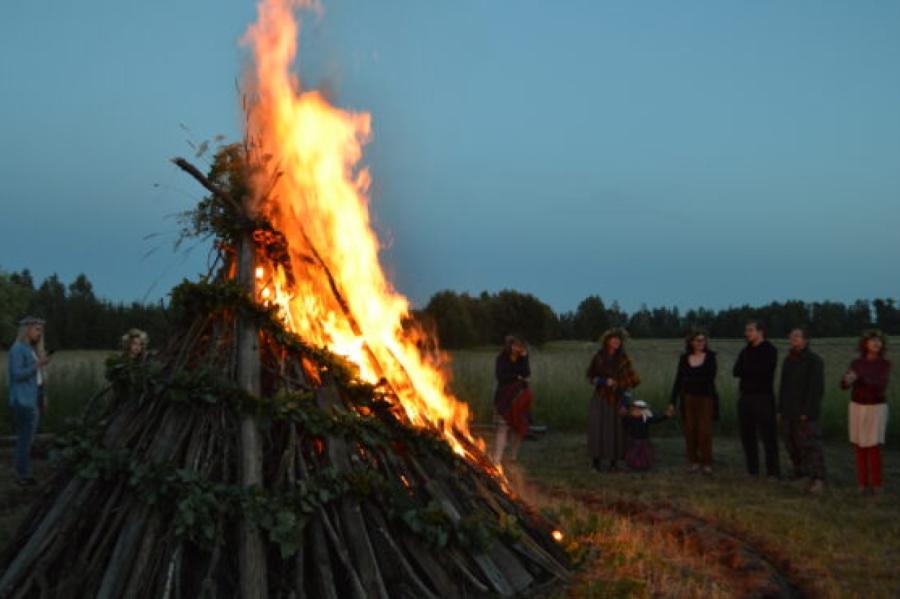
698, 422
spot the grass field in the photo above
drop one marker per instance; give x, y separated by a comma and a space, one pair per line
73, 377
836, 545
562, 393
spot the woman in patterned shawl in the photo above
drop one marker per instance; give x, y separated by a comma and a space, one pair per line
612, 376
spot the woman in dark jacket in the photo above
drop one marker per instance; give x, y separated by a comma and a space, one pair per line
512, 398
612, 376
694, 391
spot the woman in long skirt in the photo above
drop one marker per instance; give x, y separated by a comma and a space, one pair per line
512, 399
612, 376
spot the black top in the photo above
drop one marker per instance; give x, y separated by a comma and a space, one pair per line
508, 371
700, 380
638, 428
755, 367
802, 385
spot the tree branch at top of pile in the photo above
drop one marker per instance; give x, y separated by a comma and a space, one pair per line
205, 182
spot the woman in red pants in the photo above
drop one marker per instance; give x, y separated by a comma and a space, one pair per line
868, 378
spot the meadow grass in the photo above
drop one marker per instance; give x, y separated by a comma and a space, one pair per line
848, 546
560, 389
842, 544
562, 393
73, 377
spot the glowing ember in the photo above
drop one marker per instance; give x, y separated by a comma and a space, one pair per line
557, 536
338, 296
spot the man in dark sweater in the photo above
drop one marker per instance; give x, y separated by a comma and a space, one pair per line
799, 405
755, 366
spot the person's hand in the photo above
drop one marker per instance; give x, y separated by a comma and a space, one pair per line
43, 362
611, 383
670, 411
850, 377
803, 418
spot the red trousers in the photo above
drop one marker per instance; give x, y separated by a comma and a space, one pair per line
868, 466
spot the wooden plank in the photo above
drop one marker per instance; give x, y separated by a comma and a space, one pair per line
253, 567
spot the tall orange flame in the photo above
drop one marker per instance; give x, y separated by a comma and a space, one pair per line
314, 191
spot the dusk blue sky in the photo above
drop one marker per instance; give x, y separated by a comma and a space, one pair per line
679, 153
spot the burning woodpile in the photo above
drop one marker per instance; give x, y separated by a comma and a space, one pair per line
291, 440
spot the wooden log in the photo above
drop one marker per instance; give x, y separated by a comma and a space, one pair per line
253, 568
205, 182
289, 465
138, 575
21, 564
126, 548
379, 524
513, 571
437, 572
173, 567
487, 566
322, 527
325, 586
460, 564
352, 523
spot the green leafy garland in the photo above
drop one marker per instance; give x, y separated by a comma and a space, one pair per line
200, 505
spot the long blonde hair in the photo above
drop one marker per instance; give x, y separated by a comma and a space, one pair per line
38, 347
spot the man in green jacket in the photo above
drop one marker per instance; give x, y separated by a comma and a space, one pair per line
799, 408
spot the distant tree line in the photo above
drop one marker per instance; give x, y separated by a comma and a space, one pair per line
76, 318
463, 320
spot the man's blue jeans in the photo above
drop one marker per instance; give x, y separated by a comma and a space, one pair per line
26, 418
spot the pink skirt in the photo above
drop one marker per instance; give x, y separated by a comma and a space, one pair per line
868, 424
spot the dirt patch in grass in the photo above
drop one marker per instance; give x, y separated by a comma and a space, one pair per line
744, 566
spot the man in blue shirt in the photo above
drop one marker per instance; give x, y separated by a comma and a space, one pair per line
26, 361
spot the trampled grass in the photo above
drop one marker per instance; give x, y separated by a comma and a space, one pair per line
838, 544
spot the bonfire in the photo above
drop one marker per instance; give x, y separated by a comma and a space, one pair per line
292, 439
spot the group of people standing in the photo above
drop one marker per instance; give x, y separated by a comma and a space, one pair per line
27, 361
618, 425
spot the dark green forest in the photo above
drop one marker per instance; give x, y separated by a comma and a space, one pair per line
78, 319
463, 320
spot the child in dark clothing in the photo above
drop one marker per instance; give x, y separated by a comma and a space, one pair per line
637, 421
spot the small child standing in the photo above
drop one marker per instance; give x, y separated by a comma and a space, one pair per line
637, 420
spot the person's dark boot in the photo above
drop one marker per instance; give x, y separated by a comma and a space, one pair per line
596, 465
